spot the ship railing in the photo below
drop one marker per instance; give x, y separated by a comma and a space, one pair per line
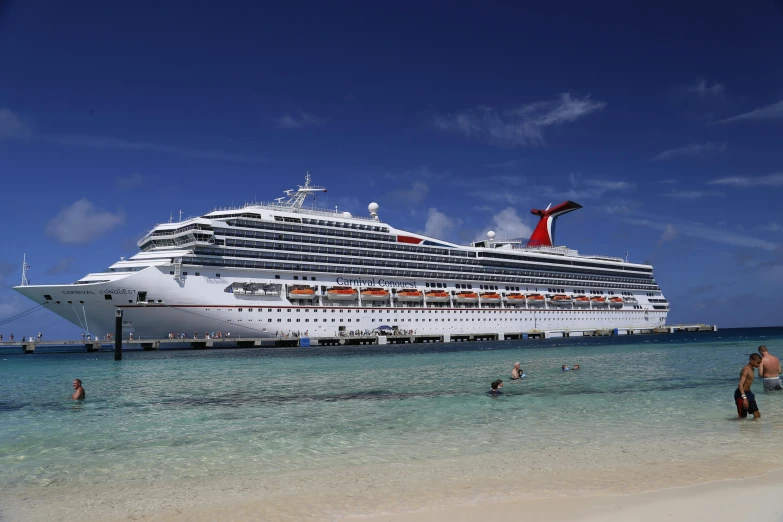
288, 208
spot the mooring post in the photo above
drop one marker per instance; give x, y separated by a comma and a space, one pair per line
118, 335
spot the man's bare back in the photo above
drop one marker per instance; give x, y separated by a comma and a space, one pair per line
769, 370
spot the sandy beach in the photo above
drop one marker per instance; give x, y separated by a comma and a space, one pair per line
755, 499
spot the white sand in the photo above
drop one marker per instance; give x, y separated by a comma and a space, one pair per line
758, 499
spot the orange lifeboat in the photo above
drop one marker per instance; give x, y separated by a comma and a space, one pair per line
375, 294
490, 297
341, 293
598, 301
515, 299
437, 296
466, 297
581, 301
535, 300
561, 301
301, 292
616, 302
410, 296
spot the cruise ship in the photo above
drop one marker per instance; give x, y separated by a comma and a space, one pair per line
284, 269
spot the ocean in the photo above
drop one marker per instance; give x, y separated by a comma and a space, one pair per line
407, 425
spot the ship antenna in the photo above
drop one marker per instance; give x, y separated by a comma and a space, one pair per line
25, 267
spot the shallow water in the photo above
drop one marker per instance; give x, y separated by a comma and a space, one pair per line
182, 415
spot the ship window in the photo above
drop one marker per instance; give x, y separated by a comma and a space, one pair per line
217, 276
171, 272
107, 297
277, 277
198, 274
296, 278
184, 273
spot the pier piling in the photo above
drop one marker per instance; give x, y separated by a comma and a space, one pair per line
118, 335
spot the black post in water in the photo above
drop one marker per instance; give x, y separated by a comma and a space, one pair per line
118, 335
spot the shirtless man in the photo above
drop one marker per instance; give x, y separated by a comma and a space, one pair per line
516, 373
746, 401
78, 393
769, 370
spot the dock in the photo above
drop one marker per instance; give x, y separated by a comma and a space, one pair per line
29, 347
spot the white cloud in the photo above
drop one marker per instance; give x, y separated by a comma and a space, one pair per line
693, 194
439, 225
585, 188
669, 233
507, 224
710, 234
697, 150
771, 180
128, 182
702, 88
768, 113
103, 143
520, 126
772, 226
11, 126
299, 120
82, 222
415, 194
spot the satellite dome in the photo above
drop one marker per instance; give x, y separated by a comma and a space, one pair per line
347, 215
373, 208
491, 235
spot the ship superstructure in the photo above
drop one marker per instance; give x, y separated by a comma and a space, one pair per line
281, 268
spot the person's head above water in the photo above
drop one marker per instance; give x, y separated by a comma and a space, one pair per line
763, 349
77, 383
496, 385
755, 360
576, 367
516, 365
564, 367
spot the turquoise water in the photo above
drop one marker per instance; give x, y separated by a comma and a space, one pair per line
168, 416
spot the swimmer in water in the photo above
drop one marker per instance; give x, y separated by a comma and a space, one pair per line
576, 367
78, 393
496, 387
517, 372
565, 368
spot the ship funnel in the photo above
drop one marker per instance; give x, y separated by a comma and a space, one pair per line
544, 234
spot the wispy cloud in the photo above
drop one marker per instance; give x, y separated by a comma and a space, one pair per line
63, 265
104, 143
520, 126
769, 113
129, 182
669, 234
502, 164
697, 150
82, 222
667, 182
770, 180
585, 188
693, 194
299, 120
772, 226
12, 126
416, 193
709, 234
702, 88
440, 225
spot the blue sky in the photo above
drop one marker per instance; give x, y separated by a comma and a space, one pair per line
664, 120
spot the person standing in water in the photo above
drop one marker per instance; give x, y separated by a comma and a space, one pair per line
746, 401
78, 393
769, 370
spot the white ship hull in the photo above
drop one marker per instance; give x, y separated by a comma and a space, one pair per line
199, 304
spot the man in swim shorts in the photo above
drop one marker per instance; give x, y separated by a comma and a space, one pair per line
743, 397
769, 370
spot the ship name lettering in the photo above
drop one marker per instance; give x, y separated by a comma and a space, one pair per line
376, 282
117, 291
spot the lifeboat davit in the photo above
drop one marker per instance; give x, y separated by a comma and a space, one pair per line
437, 296
410, 296
375, 294
515, 299
341, 293
561, 301
535, 300
582, 301
466, 297
616, 302
490, 297
301, 292
598, 301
